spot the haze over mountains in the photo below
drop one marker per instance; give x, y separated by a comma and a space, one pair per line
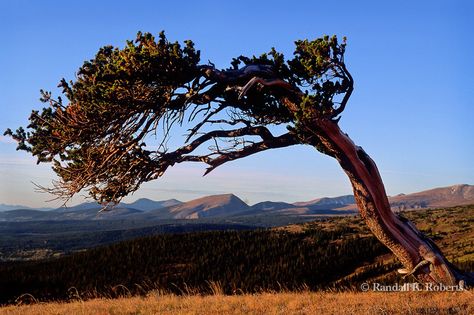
229, 205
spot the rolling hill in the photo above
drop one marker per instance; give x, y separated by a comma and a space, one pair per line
456, 195
331, 254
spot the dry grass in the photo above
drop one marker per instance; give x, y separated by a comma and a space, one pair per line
266, 303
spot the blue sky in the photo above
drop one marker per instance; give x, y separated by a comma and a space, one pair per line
412, 108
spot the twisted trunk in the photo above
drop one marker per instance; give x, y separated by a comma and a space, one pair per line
419, 255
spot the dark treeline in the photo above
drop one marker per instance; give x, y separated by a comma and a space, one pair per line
70, 236
239, 261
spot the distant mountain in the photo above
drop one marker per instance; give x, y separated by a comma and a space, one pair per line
268, 206
67, 214
24, 215
80, 207
210, 206
142, 204
327, 202
145, 204
456, 195
322, 206
86, 211
5, 207
230, 206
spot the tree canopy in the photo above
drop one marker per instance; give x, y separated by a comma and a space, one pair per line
97, 139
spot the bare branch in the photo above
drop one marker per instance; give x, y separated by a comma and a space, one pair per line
164, 160
206, 119
344, 101
285, 140
261, 131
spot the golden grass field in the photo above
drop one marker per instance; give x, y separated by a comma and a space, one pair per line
266, 303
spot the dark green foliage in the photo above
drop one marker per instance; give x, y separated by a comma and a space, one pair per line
97, 140
116, 97
246, 261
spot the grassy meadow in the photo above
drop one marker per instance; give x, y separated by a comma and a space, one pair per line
436, 303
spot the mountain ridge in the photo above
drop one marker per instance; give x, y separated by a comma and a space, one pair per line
208, 206
229, 205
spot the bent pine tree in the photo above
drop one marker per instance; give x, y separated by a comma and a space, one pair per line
96, 142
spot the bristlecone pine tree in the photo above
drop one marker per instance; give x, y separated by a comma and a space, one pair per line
96, 142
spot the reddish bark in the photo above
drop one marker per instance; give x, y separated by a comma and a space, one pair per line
419, 255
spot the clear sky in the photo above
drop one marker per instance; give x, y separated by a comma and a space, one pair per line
412, 108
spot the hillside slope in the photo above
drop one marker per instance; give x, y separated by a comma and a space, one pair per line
332, 253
